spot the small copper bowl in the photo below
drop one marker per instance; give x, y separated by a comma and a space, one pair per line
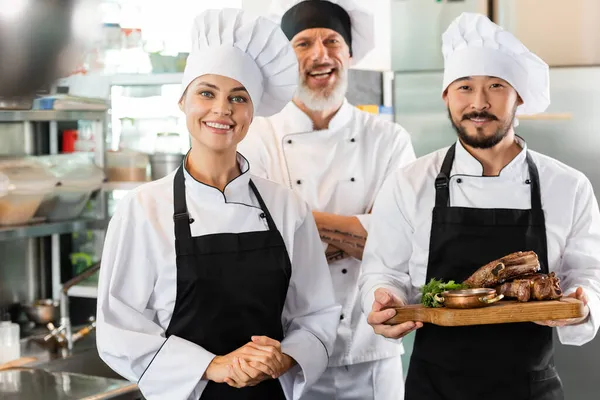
468, 298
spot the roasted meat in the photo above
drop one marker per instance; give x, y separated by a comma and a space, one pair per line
535, 287
546, 287
519, 289
504, 269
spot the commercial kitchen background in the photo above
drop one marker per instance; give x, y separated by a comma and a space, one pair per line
136, 67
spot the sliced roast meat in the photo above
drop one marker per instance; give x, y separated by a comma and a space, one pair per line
504, 269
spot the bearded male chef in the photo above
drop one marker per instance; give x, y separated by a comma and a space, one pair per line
484, 197
336, 158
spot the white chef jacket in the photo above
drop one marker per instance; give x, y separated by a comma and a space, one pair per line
337, 170
397, 250
138, 281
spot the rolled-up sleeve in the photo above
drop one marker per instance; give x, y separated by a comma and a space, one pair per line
129, 340
580, 265
389, 248
310, 316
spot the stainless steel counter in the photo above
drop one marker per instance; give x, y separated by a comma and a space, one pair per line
32, 383
58, 375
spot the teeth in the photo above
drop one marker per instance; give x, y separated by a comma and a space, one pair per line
479, 119
314, 73
218, 126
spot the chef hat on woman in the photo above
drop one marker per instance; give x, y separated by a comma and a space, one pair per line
353, 22
252, 50
473, 45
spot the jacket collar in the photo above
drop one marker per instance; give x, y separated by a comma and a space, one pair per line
236, 191
466, 164
293, 120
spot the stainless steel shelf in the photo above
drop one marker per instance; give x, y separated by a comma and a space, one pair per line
51, 115
50, 228
86, 291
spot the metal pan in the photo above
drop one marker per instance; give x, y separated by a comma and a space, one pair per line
468, 298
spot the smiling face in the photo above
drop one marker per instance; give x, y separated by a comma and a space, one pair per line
482, 109
218, 112
323, 59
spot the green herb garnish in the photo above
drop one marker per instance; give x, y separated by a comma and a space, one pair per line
436, 286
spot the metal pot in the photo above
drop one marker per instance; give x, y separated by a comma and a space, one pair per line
468, 298
162, 164
43, 311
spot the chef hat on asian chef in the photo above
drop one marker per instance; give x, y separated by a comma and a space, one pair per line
252, 50
354, 23
473, 45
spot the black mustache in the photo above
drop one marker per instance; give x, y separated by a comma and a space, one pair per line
479, 115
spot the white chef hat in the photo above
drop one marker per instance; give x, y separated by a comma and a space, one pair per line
473, 45
252, 50
298, 15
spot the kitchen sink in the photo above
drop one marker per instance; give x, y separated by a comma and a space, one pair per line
89, 363
86, 362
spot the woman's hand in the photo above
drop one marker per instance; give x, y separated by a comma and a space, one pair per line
244, 373
251, 364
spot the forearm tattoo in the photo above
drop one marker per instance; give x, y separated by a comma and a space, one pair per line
349, 239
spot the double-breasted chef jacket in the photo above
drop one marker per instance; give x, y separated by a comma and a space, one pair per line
337, 170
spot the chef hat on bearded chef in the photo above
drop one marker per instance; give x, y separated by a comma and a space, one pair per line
252, 50
354, 23
473, 45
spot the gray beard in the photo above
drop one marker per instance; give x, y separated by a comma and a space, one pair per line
320, 101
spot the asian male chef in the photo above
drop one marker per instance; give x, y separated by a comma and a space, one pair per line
336, 158
486, 196
213, 282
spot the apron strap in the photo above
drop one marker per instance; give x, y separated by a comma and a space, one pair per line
534, 182
263, 206
442, 181
181, 217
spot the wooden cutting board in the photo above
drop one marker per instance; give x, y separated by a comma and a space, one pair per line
499, 313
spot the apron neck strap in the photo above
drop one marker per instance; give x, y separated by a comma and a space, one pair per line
534, 183
181, 217
263, 206
442, 181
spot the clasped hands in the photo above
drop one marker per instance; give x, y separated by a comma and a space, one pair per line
254, 362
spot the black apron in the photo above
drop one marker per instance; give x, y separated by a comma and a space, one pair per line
499, 361
230, 287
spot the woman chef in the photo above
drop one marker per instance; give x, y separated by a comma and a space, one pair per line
213, 282
482, 198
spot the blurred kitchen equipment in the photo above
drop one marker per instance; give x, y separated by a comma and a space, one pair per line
64, 333
10, 346
167, 155
162, 164
43, 311
167, 142
78, 177
25, 184
20, 103
126, 166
